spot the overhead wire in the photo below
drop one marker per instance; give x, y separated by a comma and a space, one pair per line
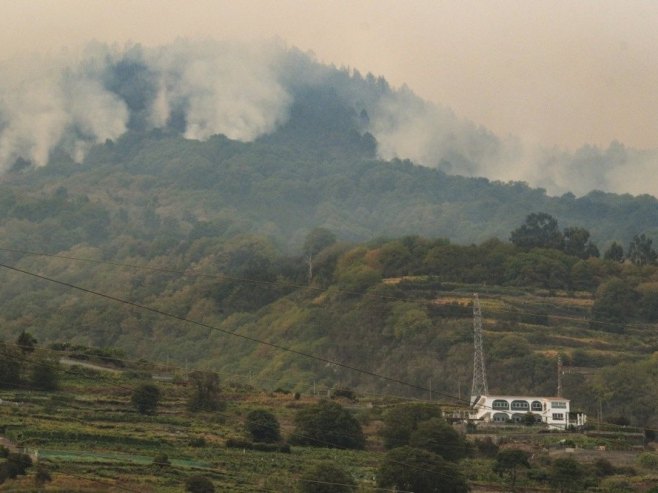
286, 284
163, 313
184, 319
239, 335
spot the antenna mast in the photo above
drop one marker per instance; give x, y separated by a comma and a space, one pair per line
479, 373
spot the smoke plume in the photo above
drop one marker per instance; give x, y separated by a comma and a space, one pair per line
75, 100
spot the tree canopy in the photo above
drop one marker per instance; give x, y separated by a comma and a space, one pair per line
420, 471
327, 424
262, 426
145, 398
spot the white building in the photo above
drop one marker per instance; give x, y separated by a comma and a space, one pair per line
552, 411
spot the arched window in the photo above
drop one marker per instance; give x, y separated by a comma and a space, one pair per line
520, 405
500, 418
536, 406
500, 404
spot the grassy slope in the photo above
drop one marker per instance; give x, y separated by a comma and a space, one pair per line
92, 440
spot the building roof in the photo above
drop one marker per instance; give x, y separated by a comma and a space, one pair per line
522, 397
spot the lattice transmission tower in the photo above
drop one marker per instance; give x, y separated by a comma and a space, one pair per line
479, 373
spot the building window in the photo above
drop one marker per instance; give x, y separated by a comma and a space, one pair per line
520, 405
558, 417
500, 404
536, 406
558, 405
500, 418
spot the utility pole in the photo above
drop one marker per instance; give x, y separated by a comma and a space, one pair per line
559, 375
309, 261
479, 387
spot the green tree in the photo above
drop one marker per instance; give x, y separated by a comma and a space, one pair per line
317, 240
199, 484
41, 476
16, 465
326, 477
263, 426
161, 460
10, 366
145, 398
615, 301
437, 436
567, 475
327, 424
640, 251
615, 252
540, 230
648, 303
510, 346
401, 421
26, 342
44, 374
420, 471
576, 243
508, 462
206, 393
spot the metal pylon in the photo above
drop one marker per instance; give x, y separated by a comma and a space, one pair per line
479, 373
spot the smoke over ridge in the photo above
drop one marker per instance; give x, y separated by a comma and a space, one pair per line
75, 100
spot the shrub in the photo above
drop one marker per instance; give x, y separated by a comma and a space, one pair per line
45, 374
145, 398
603, 467
439, 437
648, 460
327, 424
567, 475
420, 471
509, 461
486, 447
41, 476
199, 484
198, 442
344, 392
206, 394
401, 421
15, 465
263, 426
161, 460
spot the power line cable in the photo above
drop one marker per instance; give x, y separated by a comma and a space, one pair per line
187, 273
276, 346
234, 334
217, 329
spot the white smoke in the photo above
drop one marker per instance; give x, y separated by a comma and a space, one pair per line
409, 128
76, 100
63, 101
46, 103
226, 89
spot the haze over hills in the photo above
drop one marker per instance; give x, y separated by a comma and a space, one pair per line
184, 165
75, 100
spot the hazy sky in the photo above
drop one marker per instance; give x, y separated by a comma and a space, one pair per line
559, 72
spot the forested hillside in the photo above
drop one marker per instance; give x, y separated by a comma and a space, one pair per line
224, 232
